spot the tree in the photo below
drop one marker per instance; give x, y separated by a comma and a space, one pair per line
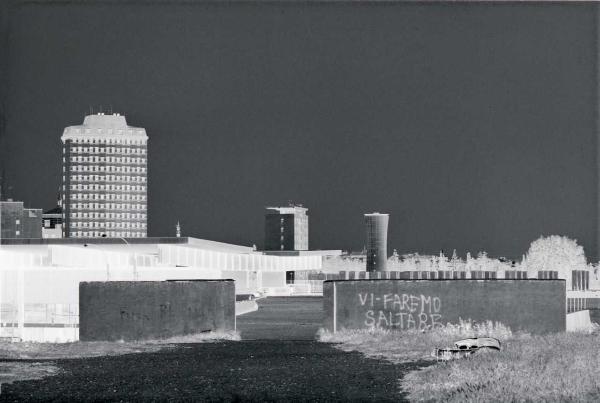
469, 264
455, 262
395, 257
555, 253
443, 262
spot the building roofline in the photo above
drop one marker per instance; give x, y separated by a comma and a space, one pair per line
81, 241
290, 208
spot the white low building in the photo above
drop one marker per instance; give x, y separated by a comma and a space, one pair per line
39, 279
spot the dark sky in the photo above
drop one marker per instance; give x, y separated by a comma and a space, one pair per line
473, 125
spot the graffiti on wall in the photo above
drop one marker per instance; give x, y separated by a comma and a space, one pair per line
401, 311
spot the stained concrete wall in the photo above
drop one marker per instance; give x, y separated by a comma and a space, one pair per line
535, 306
126, 310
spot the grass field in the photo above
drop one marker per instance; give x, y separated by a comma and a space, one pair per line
411, 345
82, 349
558, 367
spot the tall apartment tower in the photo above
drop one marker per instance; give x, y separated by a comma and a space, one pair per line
377, 228
286, 228
104, 188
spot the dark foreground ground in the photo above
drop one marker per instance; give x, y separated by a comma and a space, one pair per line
280, 362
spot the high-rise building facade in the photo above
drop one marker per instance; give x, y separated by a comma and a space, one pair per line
377, 228
104, 178
286, 228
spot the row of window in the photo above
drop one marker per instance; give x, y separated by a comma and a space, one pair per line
117, 225
109, 168
110, 234
137, 215
107, 178
127, 188
110, 150
119, 197
108, 141
116, 160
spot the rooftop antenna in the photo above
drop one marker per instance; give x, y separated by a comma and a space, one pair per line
111, 110
178, 230
100, 109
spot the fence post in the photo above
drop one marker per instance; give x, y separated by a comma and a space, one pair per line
334, 308
21, 300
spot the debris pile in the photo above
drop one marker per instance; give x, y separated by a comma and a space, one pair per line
465, 348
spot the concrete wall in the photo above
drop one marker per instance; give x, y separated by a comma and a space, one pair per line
125, 310
535, 306
579, 322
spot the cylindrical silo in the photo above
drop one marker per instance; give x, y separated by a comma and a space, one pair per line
377, 227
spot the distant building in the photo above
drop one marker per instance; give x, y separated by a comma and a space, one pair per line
52, 221
377, 228
104, 178
355, 255
19, 222
286, 228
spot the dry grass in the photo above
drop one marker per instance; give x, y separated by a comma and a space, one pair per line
558, 367
20, 371
82, 349
412, 345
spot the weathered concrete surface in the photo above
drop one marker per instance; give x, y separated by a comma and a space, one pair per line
579, 322
128, 310
535, 306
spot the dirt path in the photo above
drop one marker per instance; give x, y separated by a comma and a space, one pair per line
284, 364
283, 318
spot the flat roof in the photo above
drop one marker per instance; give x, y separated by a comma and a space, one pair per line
81, 241
288, 209
118, 243
330, 252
